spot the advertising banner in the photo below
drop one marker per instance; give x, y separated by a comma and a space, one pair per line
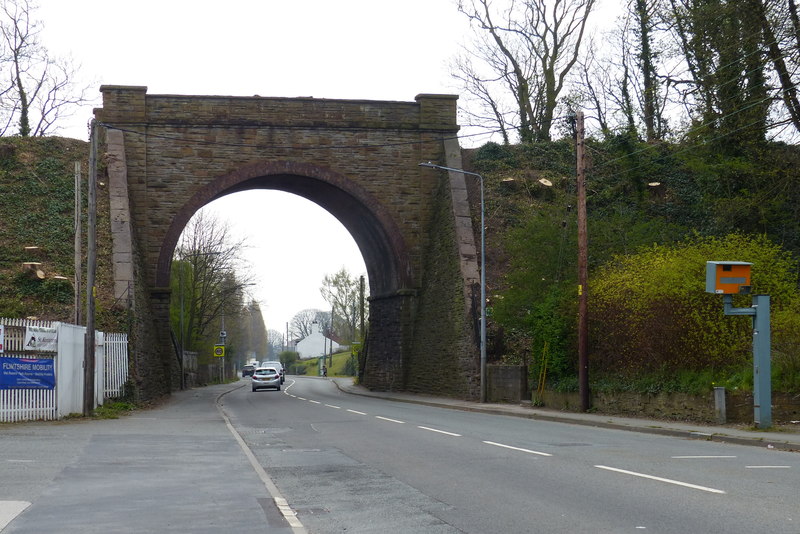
27, 373
41, 339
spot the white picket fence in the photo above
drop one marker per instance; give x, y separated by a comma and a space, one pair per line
111, 371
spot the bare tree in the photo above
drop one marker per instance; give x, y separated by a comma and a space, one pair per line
255, 331
342, 292
531, 47
301, 324
779, 49
623, 82
38, 89
723, 47
275, 344
209, 276
595, 90
484, 108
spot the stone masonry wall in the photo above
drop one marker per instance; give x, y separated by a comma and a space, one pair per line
357, 159
444, 359
678, 406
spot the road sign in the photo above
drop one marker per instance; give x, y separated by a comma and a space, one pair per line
219, 351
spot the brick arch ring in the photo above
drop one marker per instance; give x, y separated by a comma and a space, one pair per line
374, 230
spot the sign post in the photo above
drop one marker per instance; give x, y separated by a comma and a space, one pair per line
727, 278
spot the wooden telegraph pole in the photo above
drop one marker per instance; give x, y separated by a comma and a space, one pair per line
76, 286
361, 306
91, 269
583, 276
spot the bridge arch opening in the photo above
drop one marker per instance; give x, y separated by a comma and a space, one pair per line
381, 243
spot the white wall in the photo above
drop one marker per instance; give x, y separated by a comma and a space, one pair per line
315, 344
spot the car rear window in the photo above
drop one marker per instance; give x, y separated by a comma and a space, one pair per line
266, 371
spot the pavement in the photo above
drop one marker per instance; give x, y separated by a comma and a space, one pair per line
782, 437
174, 467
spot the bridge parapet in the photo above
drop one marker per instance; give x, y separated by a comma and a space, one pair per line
131, 105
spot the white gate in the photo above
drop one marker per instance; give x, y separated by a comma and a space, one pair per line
116, 359
69, 369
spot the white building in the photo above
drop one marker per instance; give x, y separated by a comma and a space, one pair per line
315, 344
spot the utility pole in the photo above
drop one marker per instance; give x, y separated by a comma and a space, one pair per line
361, 302
223, 335
180, 325
91, 269
330, 352
583, 270
76, 285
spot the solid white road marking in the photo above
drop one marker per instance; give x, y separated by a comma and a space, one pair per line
517, 448
700, 457
355, 411
768, 467
288, 513
391, 420
439, 431
659, 479
9, 510
280, 502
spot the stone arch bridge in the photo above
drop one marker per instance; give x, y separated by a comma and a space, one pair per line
167, 156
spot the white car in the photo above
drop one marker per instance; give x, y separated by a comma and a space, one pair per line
278, 366
266, 377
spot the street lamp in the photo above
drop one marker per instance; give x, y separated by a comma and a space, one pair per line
483, 271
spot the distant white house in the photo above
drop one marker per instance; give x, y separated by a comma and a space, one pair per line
315, 344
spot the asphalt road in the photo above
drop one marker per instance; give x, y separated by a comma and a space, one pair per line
311, 458
356, 464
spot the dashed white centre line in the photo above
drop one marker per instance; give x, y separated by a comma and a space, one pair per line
440, 431
768, 467
356, 411
699, 457
390, 420
659, 479
315, 402
302, 398
332, 406
517, 448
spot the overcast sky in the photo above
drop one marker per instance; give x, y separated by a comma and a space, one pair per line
352, 49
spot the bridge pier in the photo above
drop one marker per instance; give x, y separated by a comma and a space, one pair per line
159, 307
390, 340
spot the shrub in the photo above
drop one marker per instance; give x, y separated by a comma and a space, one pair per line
649, 311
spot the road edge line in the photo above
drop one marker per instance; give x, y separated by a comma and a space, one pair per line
282, 504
